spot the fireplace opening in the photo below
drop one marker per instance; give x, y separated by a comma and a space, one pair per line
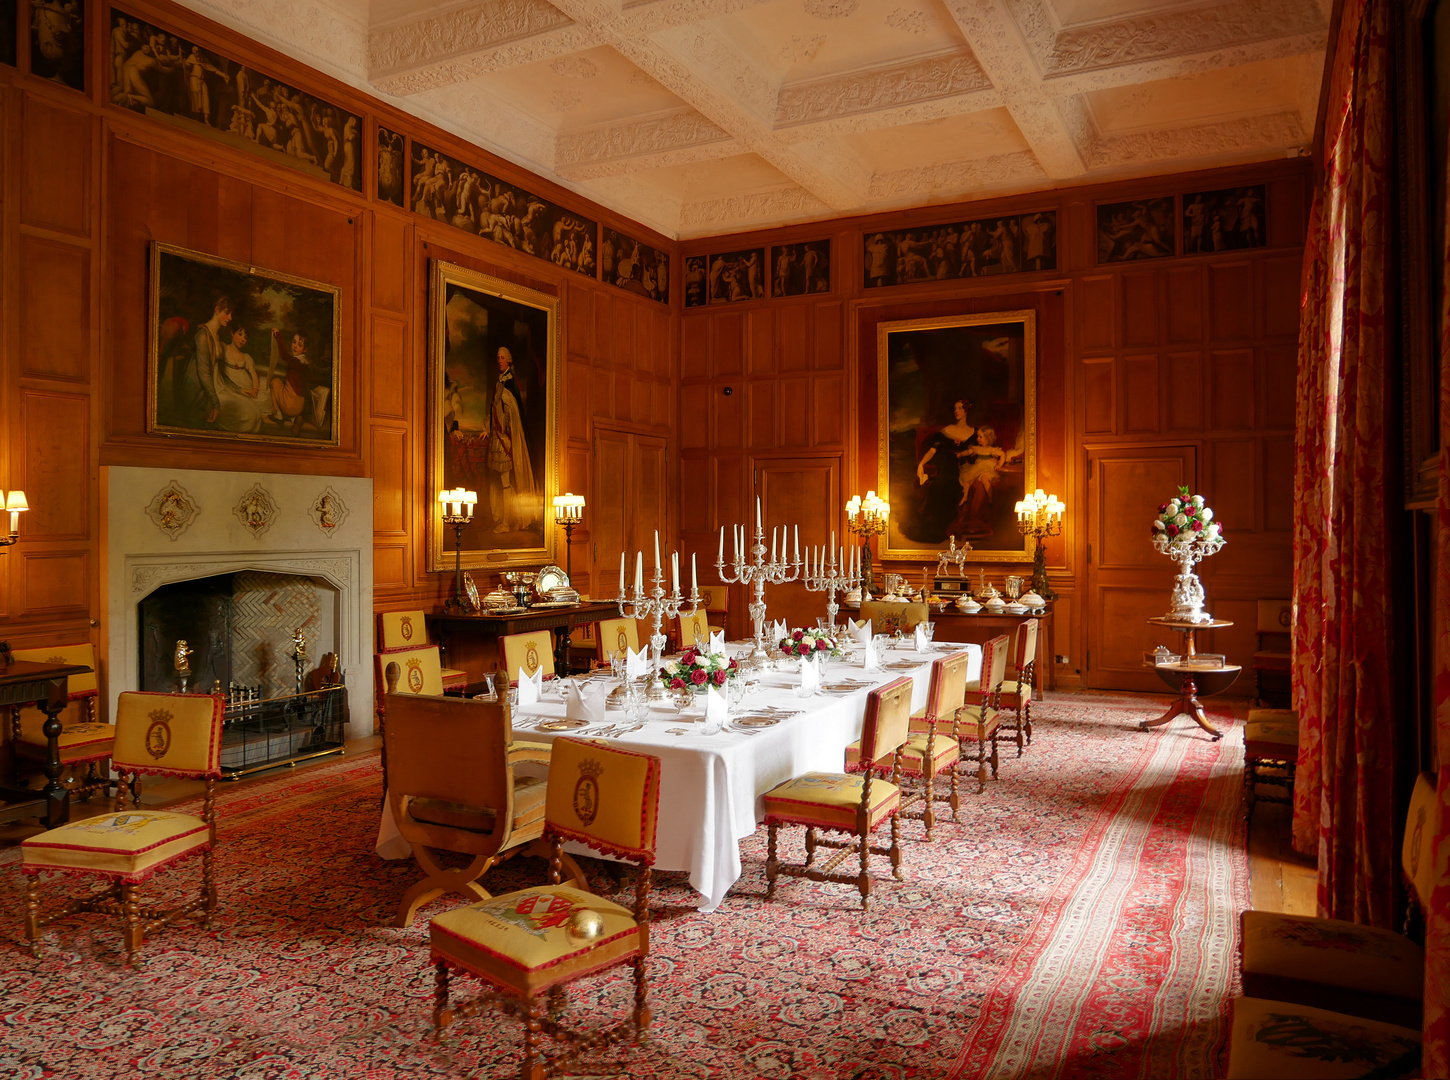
240, 632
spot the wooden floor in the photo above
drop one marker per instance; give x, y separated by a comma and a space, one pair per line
1280, 878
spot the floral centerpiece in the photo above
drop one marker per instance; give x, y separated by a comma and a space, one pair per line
697, 670
802, 642
1187, 533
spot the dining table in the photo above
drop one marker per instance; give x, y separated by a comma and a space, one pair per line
711, 784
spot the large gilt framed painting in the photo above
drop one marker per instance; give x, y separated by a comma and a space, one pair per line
239, 352
493, 392
957, 400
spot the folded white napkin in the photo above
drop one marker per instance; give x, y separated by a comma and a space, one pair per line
861, 631
779, 629
715, 710
579, 705
717, 642
868, 654
920, 635
636, 664
530, 687
810, 675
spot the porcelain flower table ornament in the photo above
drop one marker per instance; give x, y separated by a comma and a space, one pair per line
1187, 533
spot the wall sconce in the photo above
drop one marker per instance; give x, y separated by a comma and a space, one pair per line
1040, 516
866, 517
457, 507
568, 512
16, 505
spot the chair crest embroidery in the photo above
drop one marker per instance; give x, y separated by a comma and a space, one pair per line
531, 657
415, 675
536, 914
158, 735
586, 791
623, 640
124, 823
1417, 835
405, 627
56, 659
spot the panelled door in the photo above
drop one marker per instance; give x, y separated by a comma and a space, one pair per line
804, 493
1128, 582
629, 502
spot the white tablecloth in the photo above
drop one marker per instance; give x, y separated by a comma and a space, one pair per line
711, 785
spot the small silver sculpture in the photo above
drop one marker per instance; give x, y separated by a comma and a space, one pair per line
181, 661
953, 554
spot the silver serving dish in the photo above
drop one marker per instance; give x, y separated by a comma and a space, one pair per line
549, 579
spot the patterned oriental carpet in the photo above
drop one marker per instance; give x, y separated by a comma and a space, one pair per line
1081, 922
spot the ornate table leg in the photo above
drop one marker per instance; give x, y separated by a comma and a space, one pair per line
562, 634
1187, 703
57, 798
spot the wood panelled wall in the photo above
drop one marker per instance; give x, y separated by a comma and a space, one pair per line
88, 186
1147, 355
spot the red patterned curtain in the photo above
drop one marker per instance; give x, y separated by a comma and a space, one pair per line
1436, 1060
1342, 636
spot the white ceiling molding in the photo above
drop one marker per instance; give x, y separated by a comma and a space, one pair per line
799, 110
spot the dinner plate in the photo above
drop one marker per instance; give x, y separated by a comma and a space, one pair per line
902, 665
561, 725
755, 721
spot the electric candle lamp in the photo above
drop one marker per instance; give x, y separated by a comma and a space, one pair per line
16, 504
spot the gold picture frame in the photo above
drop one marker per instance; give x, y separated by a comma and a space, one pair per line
957, 432
238, 352
473, 319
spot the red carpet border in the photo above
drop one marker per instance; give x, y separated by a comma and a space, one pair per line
1079, 922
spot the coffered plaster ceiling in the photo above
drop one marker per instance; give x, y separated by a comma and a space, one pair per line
703, 117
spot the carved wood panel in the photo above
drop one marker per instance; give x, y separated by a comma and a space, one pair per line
55, 310
55, 166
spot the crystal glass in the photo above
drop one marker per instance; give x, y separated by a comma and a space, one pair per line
682, 698
802, 690
513, 698
928, 628
488, 693
735, 690
823, 624
636, 704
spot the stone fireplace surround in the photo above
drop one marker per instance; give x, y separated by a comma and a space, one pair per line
170, 525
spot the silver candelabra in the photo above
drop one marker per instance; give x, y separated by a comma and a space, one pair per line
825, 574
657, 606
759, 572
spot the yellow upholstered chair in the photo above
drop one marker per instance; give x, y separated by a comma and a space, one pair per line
403, 630
694, 629
929, 753
451, 787
1345, 966
1281, 1039
855, 803
979, 721
715, 602
1017, 691
171, 734
616, 635
532, 652
84, 740
527, 946
889, 617
1271, 753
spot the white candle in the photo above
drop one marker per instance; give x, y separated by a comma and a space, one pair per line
694, 580
675, 571
735, 539
773, 530
721, 559
639, 573
757, 513
621, 574
797, 541
657, 549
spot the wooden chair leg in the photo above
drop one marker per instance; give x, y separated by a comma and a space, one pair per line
1251, 779
532, 1067
956, 799
928, 815
641, 1002
131, 910
994, 755
896, 871
772, 864
1027, 719
442, 1014
32, 913
1017, 727
810, 845
863, 882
